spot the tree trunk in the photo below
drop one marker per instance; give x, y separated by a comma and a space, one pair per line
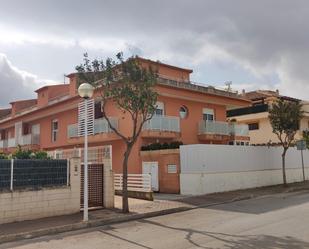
125, 201
283, 167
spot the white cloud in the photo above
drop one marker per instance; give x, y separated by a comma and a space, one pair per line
16, 84
12, 36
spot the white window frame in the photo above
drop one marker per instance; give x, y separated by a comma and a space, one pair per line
208, 111
159, 107
54, 132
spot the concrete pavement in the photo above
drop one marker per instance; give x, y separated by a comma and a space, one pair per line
277, 221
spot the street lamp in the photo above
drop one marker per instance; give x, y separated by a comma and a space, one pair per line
85, 91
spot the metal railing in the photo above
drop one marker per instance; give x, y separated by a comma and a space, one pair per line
21, 174
223, 128
163, 123
195, 86
100, 126
136, 182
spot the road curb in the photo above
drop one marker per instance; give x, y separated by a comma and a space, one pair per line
83, 225
130, 217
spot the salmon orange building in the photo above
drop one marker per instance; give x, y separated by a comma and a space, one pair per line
187, 112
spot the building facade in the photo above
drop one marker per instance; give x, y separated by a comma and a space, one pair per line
256, 116
186, 112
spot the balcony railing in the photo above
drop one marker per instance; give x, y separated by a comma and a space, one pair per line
11, 142
30, 139
240, 130
214, 127
195, 86
3, 144
247, 110
100, 126
222, 128
163, 123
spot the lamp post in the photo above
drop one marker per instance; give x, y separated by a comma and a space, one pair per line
85, 91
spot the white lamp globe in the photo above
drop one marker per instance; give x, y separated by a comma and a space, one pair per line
85, 90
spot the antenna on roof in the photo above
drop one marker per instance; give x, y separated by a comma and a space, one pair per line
64, 78
228, 86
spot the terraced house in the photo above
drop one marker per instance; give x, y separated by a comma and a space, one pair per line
187, 112
256, 116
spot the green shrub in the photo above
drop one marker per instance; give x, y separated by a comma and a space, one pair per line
41, 155
29, 154
159, 146
22, 154
3, 156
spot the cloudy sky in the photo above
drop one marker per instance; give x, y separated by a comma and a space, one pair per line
255, 44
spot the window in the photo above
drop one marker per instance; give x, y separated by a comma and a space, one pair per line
183, 112
239, 143
253, 126
171, 168
208, 114
97, 110
54, 130
159, 109
26, 129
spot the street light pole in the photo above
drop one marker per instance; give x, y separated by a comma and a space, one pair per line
85, 91
86, 163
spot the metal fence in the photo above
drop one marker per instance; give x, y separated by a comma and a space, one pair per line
19, 174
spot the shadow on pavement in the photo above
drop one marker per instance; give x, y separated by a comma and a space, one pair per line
264, 204
231, 241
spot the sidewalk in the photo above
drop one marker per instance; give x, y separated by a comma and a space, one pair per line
163, 204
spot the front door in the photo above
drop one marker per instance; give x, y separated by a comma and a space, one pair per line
152, 168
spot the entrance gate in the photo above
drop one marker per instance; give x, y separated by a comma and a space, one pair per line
95, 185
97, 158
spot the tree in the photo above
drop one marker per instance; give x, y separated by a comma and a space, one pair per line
285, 117
128, 85
306, 138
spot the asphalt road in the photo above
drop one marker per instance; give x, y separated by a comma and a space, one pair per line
278, 221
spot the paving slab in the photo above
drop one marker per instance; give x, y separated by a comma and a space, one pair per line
139, 209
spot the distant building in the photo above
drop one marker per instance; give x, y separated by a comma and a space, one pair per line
256, 116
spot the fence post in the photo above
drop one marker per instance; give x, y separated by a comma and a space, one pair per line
68, 172
12, 174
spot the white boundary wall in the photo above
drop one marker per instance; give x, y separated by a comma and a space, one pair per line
218, 168
34, 204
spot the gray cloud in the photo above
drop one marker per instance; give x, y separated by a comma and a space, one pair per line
266, 37
15, 83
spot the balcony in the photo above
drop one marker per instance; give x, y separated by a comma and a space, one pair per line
30, 141
162, 127
3, 144
102, 131
221, 131
240, 130
11, 143
248, 110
